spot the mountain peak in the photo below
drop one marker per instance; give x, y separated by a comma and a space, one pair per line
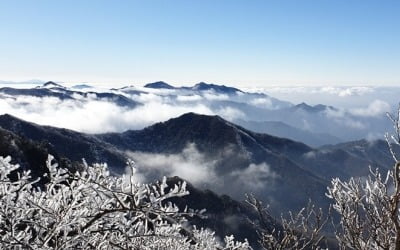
7, 116
51, 84
193, 115
303, 105
316, 108
159, 85
201, 86
210, 132
192, 119
7, 120
81, 86
204, 130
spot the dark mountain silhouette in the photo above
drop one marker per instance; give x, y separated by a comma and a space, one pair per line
311, 109
81, 86
67, 143
202, 86
51, 84
28, 154
31, 155
51, 89
159, 85
36, 92
208, 132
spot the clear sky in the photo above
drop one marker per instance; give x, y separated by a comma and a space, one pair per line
234, 42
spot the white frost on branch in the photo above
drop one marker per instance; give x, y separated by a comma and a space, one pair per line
92, 209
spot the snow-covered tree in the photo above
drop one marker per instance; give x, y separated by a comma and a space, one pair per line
92, 209
298, 231
369, 208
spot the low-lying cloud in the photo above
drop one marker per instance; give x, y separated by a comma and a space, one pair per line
87, 113
97, 116
93, 116
255, 176
190, 165
341, 91
201, 170
337, 96
376, 108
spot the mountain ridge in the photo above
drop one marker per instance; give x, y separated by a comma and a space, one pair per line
235, 149
286, 168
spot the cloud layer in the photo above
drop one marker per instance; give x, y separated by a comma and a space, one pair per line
93, 115
375, 108
190, 165
201, 170
337, 96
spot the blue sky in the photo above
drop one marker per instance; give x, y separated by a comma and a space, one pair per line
241, 43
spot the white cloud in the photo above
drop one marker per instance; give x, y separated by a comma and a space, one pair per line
337, 96
230, 113
147, 97
344, 91
255, 176
201, 170
353, 124
94, 116
376, 108
91, 115
189, 98
355, 91
335, 113
341, 91
342, 117
372, 137
262, 102
212, 96
190, 165
310, 155
88, 114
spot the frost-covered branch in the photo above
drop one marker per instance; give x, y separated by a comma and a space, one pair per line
92, 209
369, 208
299, 231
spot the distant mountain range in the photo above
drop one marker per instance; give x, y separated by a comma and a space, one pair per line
314, 125
51, 89
202, 86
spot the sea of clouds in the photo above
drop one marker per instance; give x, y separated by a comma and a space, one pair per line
358, 108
